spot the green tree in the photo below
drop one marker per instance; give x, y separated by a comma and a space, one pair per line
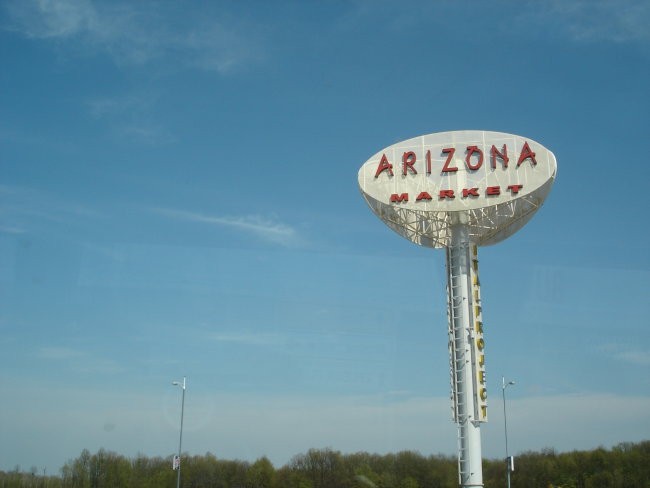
409, 482
261, 474
324, 468
80, 470
627, 465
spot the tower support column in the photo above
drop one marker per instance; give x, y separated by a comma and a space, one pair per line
463, 360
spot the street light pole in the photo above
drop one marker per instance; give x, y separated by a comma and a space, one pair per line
180, 440
504, 385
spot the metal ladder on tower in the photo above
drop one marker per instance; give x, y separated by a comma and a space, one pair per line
460, 355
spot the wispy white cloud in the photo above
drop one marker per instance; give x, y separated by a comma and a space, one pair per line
627, 354
80, 361
140, 33
58, 353
219, 48
590, 20
566, 422
43, 19
150, 34
11, 230
247, 426
24, 209
146, 132
248, 338
119, 106
131, 117
578, 20
640, 358
264, 228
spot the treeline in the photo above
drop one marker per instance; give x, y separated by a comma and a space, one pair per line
626, 465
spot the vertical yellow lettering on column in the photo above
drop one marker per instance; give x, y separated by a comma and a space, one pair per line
478, 356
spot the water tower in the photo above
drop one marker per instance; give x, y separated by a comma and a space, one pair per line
459, 190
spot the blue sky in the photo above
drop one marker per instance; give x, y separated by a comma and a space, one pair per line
178, 196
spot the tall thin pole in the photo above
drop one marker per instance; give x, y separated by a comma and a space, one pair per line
505, 425
180, 440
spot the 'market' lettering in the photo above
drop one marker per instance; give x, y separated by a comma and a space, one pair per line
446, 194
